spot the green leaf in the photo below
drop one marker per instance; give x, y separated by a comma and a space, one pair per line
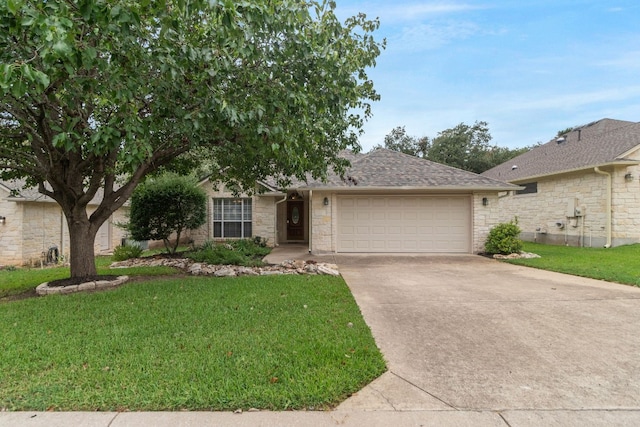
62, 48
26, 72
14, 6
5, 75
41, 78
18, 88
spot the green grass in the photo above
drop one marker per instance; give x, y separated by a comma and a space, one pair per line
270, 342
619, 264
13, 282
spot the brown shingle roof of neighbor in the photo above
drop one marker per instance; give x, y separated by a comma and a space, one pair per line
387, 169
603, 142
18, 192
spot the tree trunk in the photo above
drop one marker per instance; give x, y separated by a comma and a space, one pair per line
82, 237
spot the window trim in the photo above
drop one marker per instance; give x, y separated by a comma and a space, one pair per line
246, 217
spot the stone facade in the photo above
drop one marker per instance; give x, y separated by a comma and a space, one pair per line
263, 220
10, 232
270, 215
485, 217
31, 228
323, 227
549, 215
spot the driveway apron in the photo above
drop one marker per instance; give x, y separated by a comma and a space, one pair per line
470, 333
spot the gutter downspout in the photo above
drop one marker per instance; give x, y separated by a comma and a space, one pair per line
609, 196
275, 221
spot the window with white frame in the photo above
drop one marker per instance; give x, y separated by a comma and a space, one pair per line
232, 218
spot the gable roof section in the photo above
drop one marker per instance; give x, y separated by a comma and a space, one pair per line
387, 169
599, 143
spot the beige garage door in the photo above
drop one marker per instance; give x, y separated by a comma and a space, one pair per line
404, 224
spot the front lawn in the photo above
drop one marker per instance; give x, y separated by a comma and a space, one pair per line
196, 343
619, 264
19, 280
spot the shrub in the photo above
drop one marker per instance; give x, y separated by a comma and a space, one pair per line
504, 239
260, 241
165, 205
233, 252
121, 253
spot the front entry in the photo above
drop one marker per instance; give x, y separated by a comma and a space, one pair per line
295, 220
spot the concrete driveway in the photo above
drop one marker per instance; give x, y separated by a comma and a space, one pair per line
470, 333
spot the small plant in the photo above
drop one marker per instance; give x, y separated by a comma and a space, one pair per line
260, 241
504, 238
245, 252
122, 253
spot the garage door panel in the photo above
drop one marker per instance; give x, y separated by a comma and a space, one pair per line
404, 224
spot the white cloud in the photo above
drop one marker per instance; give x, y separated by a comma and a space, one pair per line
575, 100
418, 11
433, 36
627, 60
394, 13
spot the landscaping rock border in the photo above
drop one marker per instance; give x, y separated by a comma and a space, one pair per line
524, 255
94, 285
203, 269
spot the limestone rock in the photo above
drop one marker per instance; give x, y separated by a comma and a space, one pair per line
225, 272
326, 269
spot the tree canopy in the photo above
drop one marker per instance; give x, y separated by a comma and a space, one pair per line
399, 140
97, 94
463, 146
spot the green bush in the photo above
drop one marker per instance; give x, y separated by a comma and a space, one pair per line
121, 253
245, 252
166, 205
504, 239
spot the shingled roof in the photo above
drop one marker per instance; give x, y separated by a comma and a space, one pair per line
17, 190
387, 169
599, 143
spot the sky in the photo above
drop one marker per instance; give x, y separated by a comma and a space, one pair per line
527, 68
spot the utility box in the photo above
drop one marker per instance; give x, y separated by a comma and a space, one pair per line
571, 208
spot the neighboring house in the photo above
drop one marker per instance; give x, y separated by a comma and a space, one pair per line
580, 189
387, 202
31, 224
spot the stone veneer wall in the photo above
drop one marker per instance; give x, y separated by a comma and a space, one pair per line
263, 220
43, 226
626, 206
322, 222
538, 213
10, 232
31, 228
484, 218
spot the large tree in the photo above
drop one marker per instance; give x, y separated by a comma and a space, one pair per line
97, 94
399, 140
463, 146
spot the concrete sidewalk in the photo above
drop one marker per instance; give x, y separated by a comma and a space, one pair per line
352, 418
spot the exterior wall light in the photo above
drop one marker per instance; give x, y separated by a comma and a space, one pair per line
628, 177
3, 220
325, 201
485, 201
